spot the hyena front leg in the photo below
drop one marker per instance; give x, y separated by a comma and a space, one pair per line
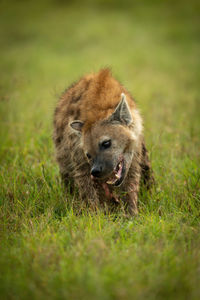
132, 186
147, 173
132, 198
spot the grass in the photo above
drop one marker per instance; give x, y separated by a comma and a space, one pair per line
47, 251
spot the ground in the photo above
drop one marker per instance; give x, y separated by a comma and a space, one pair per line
47, 250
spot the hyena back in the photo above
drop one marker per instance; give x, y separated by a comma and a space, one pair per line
99, 141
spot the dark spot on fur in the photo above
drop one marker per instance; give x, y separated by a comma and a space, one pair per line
75, 98
77, 115
58, 140
71, 111
87, 83
70, 137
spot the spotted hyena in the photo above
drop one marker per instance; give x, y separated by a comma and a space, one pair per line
99, 141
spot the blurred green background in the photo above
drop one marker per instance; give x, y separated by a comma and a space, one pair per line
47, 251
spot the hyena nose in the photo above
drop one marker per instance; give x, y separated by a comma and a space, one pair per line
96, 171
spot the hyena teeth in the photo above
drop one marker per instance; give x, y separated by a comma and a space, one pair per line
118, 166
109, 182
117, 176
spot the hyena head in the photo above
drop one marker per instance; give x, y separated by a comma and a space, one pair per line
110, 144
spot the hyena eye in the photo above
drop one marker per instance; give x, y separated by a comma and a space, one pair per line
106, 144
88, 156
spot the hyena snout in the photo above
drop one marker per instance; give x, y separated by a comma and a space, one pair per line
112, 173
101, 168
96, 171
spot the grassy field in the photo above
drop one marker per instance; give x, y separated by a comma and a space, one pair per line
46, 250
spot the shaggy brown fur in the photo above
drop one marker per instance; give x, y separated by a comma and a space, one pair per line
99, 142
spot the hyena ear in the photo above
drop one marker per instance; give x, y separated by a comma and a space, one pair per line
122, 112
77, 125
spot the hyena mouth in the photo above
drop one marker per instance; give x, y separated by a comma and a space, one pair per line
117, 175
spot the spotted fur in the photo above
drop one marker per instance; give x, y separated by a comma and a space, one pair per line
85, 114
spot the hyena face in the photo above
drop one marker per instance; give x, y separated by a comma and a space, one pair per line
109, 145
109, 150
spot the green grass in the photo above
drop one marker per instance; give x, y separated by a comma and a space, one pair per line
47, 251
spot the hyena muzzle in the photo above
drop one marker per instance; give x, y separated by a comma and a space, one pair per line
99, 141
